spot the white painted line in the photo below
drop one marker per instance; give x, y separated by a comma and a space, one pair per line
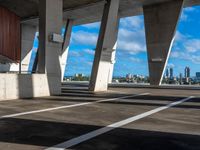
108, 128
68, 106
121, 92
7, 100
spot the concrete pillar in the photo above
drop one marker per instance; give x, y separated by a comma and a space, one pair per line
50, 22
65, 47
27, 38
112, 64
160, 26
106, 45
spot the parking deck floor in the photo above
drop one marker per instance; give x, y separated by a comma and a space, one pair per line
120, 119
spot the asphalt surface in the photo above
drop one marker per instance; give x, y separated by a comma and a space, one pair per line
175, 128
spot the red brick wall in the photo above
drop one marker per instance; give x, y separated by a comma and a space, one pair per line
9, 35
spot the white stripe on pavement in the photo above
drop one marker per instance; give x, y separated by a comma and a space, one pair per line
69, 106
108, 128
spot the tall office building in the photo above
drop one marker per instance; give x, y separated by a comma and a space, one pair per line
171, 72
187, 72
181, 78
167, 73
198, 74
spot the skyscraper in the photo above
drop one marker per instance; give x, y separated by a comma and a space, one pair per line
180, 78
198, 74
187, 72
167, 73
171, 72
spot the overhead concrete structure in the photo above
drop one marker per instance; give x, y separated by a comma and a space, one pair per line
106, 46
82, 11
160, 26
161, 16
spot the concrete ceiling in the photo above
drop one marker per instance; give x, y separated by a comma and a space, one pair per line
81, 11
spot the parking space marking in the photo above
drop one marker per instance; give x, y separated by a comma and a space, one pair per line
113, 126
69, 106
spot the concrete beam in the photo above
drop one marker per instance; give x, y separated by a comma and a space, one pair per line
65, 47
83, 13
160, 26
106, 45
51, 20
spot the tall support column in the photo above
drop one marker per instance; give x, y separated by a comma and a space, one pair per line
112, 65
65, 47
27, 38
105, 47
51, 20
160, 25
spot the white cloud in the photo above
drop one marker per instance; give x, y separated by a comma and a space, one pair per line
74, 53
189, 9
89, 51
170, 65
187, 43
137, 60
186, 56
186, 13
84, 38
89, 63
131, 47
184, 16
95, 25
132, 42
192, 45
175, 54
131, 37
132, 22
179, 36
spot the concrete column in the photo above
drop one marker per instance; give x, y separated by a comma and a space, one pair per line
51, 21
27, 39
65, 47
112, 64
106, 45
160, 26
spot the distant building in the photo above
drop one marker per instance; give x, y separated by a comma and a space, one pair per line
171, 72
198, 74
129, 77
167, 73
79, 75
181, 78
187, 72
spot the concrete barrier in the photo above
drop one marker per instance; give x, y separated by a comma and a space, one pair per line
14, 86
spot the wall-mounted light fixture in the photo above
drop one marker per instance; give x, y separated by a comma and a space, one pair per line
56, 38
156, 59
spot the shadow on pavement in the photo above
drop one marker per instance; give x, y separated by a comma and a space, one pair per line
47, 133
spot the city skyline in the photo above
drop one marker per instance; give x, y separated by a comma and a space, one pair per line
169, 73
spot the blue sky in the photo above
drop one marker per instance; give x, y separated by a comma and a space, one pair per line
131, 56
